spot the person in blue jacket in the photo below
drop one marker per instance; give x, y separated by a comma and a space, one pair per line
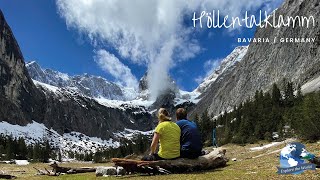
190, 139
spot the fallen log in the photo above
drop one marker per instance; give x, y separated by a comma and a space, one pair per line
7, 176
214, 159
70, 170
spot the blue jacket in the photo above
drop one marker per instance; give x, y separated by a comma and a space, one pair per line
190, 139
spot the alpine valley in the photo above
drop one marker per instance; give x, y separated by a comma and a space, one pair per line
84, 113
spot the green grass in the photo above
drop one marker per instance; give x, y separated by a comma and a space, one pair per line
249, 165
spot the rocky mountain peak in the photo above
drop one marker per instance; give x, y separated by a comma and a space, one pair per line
89, 85
227, 64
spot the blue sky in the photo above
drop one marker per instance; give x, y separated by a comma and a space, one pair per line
57, 37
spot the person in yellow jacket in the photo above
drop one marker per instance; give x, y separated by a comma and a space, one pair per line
167, 133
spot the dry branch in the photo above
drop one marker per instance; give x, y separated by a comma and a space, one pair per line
46, 172
70, 170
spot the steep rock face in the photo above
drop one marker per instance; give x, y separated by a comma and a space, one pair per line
20, 100
67, 110
266, 63
92, 86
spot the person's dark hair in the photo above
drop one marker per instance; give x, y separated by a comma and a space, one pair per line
181, 113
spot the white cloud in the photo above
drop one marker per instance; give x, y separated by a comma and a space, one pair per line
199, 79
142, 30
234, 8
209, 67
111, 64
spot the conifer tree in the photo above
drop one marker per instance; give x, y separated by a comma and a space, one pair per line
46, 151
289, 95
23, 151
309, 125
36, 152
206, 127
97, 158
196, 119
276, 96
10, 149
299, 96
60, 156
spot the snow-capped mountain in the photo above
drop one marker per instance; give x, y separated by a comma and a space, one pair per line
47, 76
227, 64
89, 85
60, 102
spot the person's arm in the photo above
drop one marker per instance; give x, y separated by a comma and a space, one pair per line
154, 143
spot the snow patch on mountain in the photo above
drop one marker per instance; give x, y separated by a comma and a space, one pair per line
185, 96
46, 86
129, 133
32, 133
124, 104
138, 105
311, 86
78, 142
68, 142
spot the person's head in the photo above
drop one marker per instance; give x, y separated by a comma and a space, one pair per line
163, 115
181, 113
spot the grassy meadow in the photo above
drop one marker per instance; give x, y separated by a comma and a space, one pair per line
248, 165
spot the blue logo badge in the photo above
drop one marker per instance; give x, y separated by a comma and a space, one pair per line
294, 159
